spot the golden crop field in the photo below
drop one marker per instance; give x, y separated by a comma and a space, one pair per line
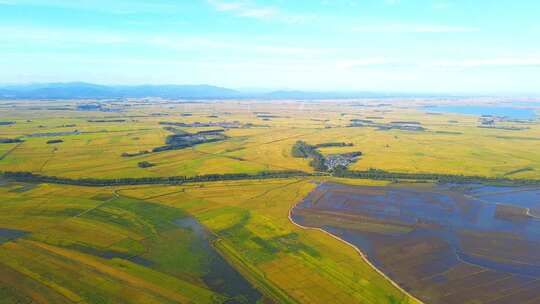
222, 241
96, 150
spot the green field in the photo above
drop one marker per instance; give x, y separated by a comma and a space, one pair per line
214, 242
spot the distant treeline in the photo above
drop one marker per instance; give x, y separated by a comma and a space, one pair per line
126, 154
29, 177
373, 174
6, 123
376, 174
211, 131
334, 144
176, 124
107, 120
267, 116
406, 122
351, 154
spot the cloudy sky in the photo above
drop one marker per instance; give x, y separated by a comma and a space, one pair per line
376, 45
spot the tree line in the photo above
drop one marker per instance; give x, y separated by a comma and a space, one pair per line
377, 174
29, 177
334, 144
342, 172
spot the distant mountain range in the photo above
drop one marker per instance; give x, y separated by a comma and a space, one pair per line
81, 90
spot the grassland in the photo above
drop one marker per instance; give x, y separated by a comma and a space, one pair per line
64, 244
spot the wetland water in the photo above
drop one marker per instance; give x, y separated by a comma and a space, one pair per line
444, 244
221, 277
7, 235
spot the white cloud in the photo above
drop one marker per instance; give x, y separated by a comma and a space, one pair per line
413, 28
369, 62
55, 36
73, 38
389, 63
490, 62
206, 43
249, 9
442, 5
391, 2
245, 9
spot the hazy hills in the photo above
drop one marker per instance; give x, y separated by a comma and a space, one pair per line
81, 90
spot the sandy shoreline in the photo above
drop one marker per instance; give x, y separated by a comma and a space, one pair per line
364, 257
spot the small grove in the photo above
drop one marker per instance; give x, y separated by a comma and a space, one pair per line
301, 149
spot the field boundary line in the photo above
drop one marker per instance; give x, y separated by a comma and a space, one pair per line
8, 152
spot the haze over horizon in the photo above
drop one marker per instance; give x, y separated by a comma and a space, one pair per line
343, 45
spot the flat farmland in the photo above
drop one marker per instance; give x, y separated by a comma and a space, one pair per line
232, 241
251, 220
94, 142
70, 244
143, 244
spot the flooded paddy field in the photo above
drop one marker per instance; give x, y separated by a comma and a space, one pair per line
443, 243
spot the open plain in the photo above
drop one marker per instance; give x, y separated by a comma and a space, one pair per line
189, 201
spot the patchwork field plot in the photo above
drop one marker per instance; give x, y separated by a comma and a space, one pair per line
87, 245
94, 142
293, 264
230, 240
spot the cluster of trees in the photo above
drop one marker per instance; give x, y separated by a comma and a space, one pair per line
145, 164
176, 124
182, 140
172, 180
217, 131
126, 154
318, 162
301, 149
352, 154
6, 123
54, 141
175, 130
361, 121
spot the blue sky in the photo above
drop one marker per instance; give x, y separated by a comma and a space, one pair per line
377, 45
